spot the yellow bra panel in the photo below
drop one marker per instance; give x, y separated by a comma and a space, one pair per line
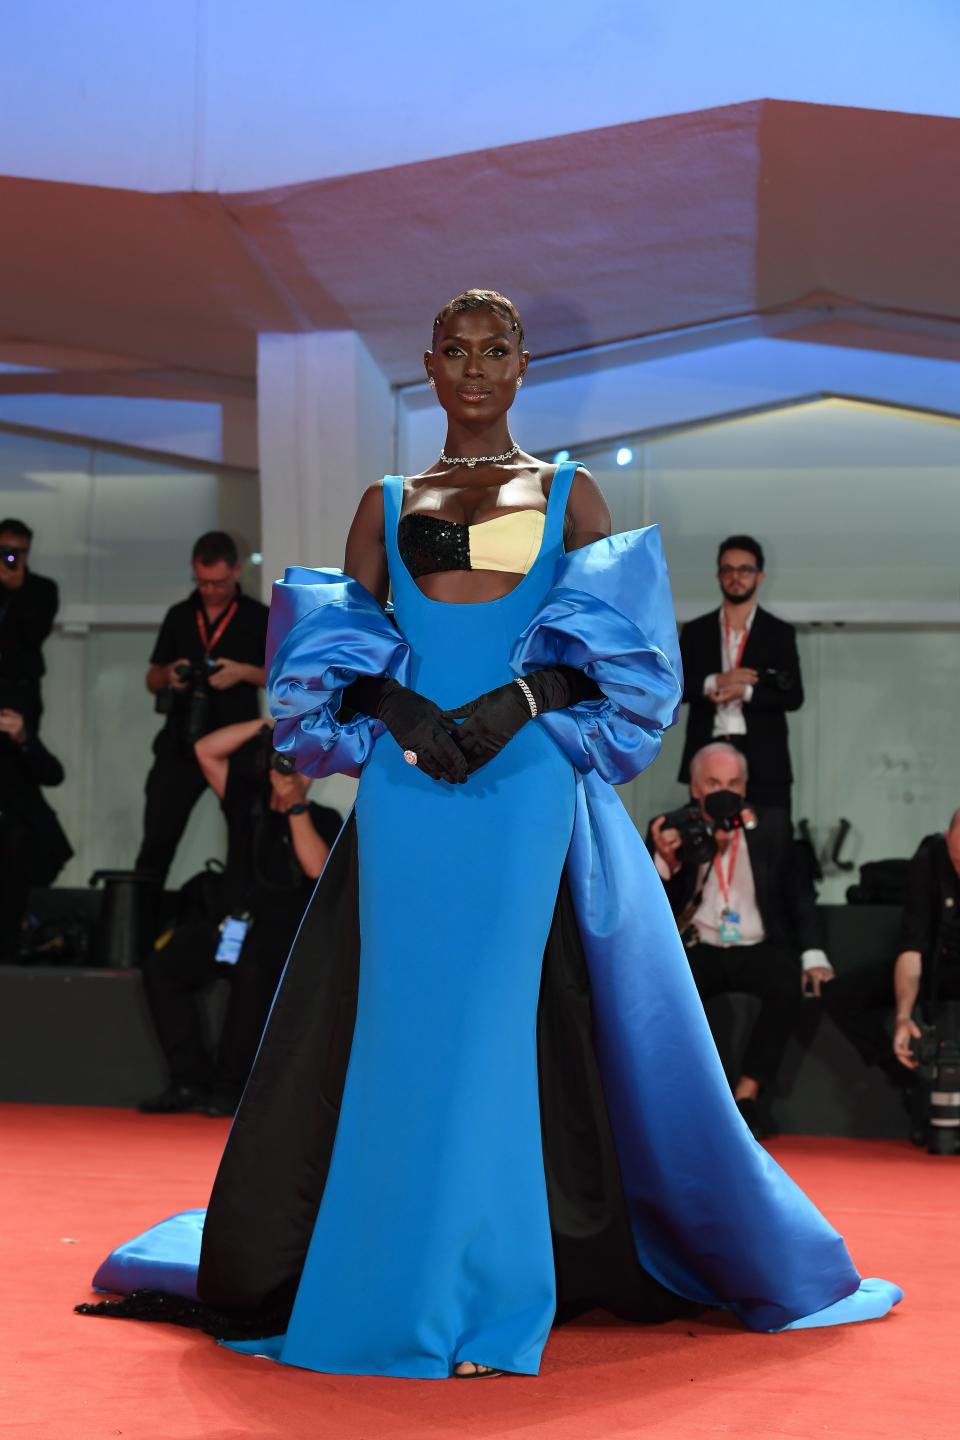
507, 542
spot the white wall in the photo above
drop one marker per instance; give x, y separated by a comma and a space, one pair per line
236, 94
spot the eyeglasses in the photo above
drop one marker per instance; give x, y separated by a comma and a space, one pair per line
743, 571
213, 584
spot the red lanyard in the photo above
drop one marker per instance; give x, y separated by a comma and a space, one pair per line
725, 883
222, 624
744, 637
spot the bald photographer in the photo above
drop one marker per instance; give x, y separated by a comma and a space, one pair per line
745, 910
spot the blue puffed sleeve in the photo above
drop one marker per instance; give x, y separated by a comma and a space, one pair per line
610, 614
325, 630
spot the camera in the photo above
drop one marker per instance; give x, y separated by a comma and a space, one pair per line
726, 811
193, 701
270, 759
939, 1075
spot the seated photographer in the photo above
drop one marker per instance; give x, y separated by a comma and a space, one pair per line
28, 607
744, 907
277, 846
205, 669
33, 847
928, 965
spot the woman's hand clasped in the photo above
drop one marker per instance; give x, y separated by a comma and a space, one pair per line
421, 727
489, 722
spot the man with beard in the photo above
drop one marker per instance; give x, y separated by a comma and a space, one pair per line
741, 676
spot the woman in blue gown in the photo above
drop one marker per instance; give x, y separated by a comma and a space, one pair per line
486, 1094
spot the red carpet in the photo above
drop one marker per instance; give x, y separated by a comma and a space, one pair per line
77, 1181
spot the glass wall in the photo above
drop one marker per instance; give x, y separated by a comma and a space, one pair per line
115, 529
858, 508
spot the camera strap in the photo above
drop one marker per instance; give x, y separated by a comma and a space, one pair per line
208, 641
732, 661
725, 881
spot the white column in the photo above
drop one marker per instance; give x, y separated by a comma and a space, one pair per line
326, 431
326, 425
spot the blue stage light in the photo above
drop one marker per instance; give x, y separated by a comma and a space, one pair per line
560, 456
624, 456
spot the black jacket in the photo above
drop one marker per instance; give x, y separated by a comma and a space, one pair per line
931, 911
23, 769
771, 645
26, 619
785, 896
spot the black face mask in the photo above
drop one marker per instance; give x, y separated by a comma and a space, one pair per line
723, 807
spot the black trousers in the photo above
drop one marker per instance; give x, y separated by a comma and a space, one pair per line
763, 970
858, 1003
174, 785
174, 979
14, 883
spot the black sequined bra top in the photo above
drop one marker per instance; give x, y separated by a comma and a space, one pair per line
507, 542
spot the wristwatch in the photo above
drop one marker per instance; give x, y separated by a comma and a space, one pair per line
298, 809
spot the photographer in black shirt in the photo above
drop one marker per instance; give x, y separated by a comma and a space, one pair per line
205, 669
33, 847
277, 846
28, 607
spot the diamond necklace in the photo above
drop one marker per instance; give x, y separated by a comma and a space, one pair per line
471, 460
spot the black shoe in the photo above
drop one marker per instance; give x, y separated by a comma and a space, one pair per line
175, 1100
761, 1126
219, 1108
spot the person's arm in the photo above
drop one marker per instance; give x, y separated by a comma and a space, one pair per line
213, 751
365, 558
235, 672
309, 847
920, 904
906, 988
41, 766
587, 516
35, 610
698, 682
767, 697
161, 672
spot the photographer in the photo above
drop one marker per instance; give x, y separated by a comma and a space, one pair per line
33, 847
744, 907
204, 670
277, 846
741, 675
28, 606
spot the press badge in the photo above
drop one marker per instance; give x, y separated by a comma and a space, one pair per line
729, 927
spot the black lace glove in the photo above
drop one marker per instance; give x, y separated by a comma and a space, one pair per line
414, 722
494, 718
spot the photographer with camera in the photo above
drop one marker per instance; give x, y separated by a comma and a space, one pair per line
28, 607
744, 907
33, 847
742, 675
277, 846
928, 970
205, 669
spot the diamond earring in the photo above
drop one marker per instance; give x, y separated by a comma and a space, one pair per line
433, 382
519, 381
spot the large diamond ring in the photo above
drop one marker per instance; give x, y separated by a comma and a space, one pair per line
410, 756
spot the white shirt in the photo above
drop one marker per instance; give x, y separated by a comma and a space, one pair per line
743, 899
728, 718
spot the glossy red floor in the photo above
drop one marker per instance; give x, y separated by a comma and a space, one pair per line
73, 1182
